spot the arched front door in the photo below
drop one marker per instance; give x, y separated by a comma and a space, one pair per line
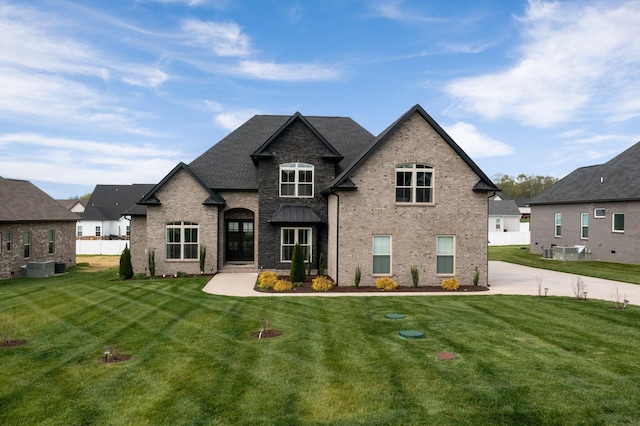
239, 236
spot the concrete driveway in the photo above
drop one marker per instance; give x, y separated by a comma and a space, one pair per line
504, 278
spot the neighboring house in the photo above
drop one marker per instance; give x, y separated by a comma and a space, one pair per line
409, 197
76, 206
504, 216
33, 227
597, 207
103, 217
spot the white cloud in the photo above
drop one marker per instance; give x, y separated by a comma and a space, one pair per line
224, 39
286, 72
576, 57
396, 10
233, 120
476, 144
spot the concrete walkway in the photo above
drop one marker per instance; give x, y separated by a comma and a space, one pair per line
504, 278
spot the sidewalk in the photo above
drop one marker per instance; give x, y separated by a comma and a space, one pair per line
504, 278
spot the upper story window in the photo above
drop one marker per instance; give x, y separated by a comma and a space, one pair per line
599, 213
296, 180
414, 183
617, 222
182, 240
79, 231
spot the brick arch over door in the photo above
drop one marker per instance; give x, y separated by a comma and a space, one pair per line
239, 236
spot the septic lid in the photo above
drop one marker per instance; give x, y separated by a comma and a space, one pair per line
395, 316
411, 334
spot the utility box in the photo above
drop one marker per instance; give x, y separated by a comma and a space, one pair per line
60, 267
40, 269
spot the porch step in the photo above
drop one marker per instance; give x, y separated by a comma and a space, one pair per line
239, 268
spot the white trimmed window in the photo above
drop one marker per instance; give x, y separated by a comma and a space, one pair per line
26, 241
382, 254
182, 241
498, 224
52, 241
584, 226
79, 231
414, 183
8, 240
289, 238
558, 225
599, 213
617, 222
445, 255
98, 231
296, 180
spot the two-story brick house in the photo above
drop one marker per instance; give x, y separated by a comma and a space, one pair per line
409, 197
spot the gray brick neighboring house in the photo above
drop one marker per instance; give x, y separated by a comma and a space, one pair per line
597, 207
33, 227
408, 197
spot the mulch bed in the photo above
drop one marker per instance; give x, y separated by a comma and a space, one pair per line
306, 288
12, 343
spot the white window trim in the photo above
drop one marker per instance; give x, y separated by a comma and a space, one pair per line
583, 226
613, 221
373, 254
414, 169
453, 255
296, 168
597, 216
181, 225
555, 225
296, 229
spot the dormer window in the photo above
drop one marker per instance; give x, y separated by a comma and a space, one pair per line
296, 180
414, 183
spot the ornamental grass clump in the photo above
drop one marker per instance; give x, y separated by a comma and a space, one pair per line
322, 284
267, 280
450, 283
283, 285
386, 284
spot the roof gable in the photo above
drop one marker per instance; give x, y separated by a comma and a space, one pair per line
616, 180
503, 208
263, 150
151, 198
343, 180
22, 201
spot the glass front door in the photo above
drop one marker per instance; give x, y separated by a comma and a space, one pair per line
239, 241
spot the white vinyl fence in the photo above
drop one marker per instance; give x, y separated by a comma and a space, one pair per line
101, 246
511, 238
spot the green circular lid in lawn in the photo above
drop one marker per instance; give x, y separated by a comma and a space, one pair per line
411, 334
395, 316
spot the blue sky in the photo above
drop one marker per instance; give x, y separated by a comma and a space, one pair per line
118, 92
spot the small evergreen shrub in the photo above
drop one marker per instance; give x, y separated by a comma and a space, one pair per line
322, 284
415, 275
203, 257
386, 284
283, 285
450, 283
298, 274
126, 267
322, 264
152, 261
356, 280
476, 277
267, 279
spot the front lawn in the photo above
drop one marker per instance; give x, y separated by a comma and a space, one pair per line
521, 360
607, 270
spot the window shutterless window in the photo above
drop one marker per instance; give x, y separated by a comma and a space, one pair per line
382, 254
182, 241
26, 241
558, 224
414, 183
98, 231
79, 231
296, 180
498, 224
289, 238
52, 241
599, 213
617, 222
445, 255
8, 241
584, 226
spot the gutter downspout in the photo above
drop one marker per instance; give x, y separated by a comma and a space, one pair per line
493, 194
337, 235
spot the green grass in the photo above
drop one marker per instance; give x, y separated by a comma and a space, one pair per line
522, 360
608, 270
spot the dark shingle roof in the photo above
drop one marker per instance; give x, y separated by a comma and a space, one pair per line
22, 201
343, 180
295, 214
616, 180
228, 164
503, 208
110, 202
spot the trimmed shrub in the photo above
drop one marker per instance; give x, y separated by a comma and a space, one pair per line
386, 284
283, 285
322, 284
151, 257
415, 275
267, 279
298, 274
126, 267
356, 279
450, 283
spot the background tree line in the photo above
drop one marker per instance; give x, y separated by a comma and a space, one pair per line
523, 186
